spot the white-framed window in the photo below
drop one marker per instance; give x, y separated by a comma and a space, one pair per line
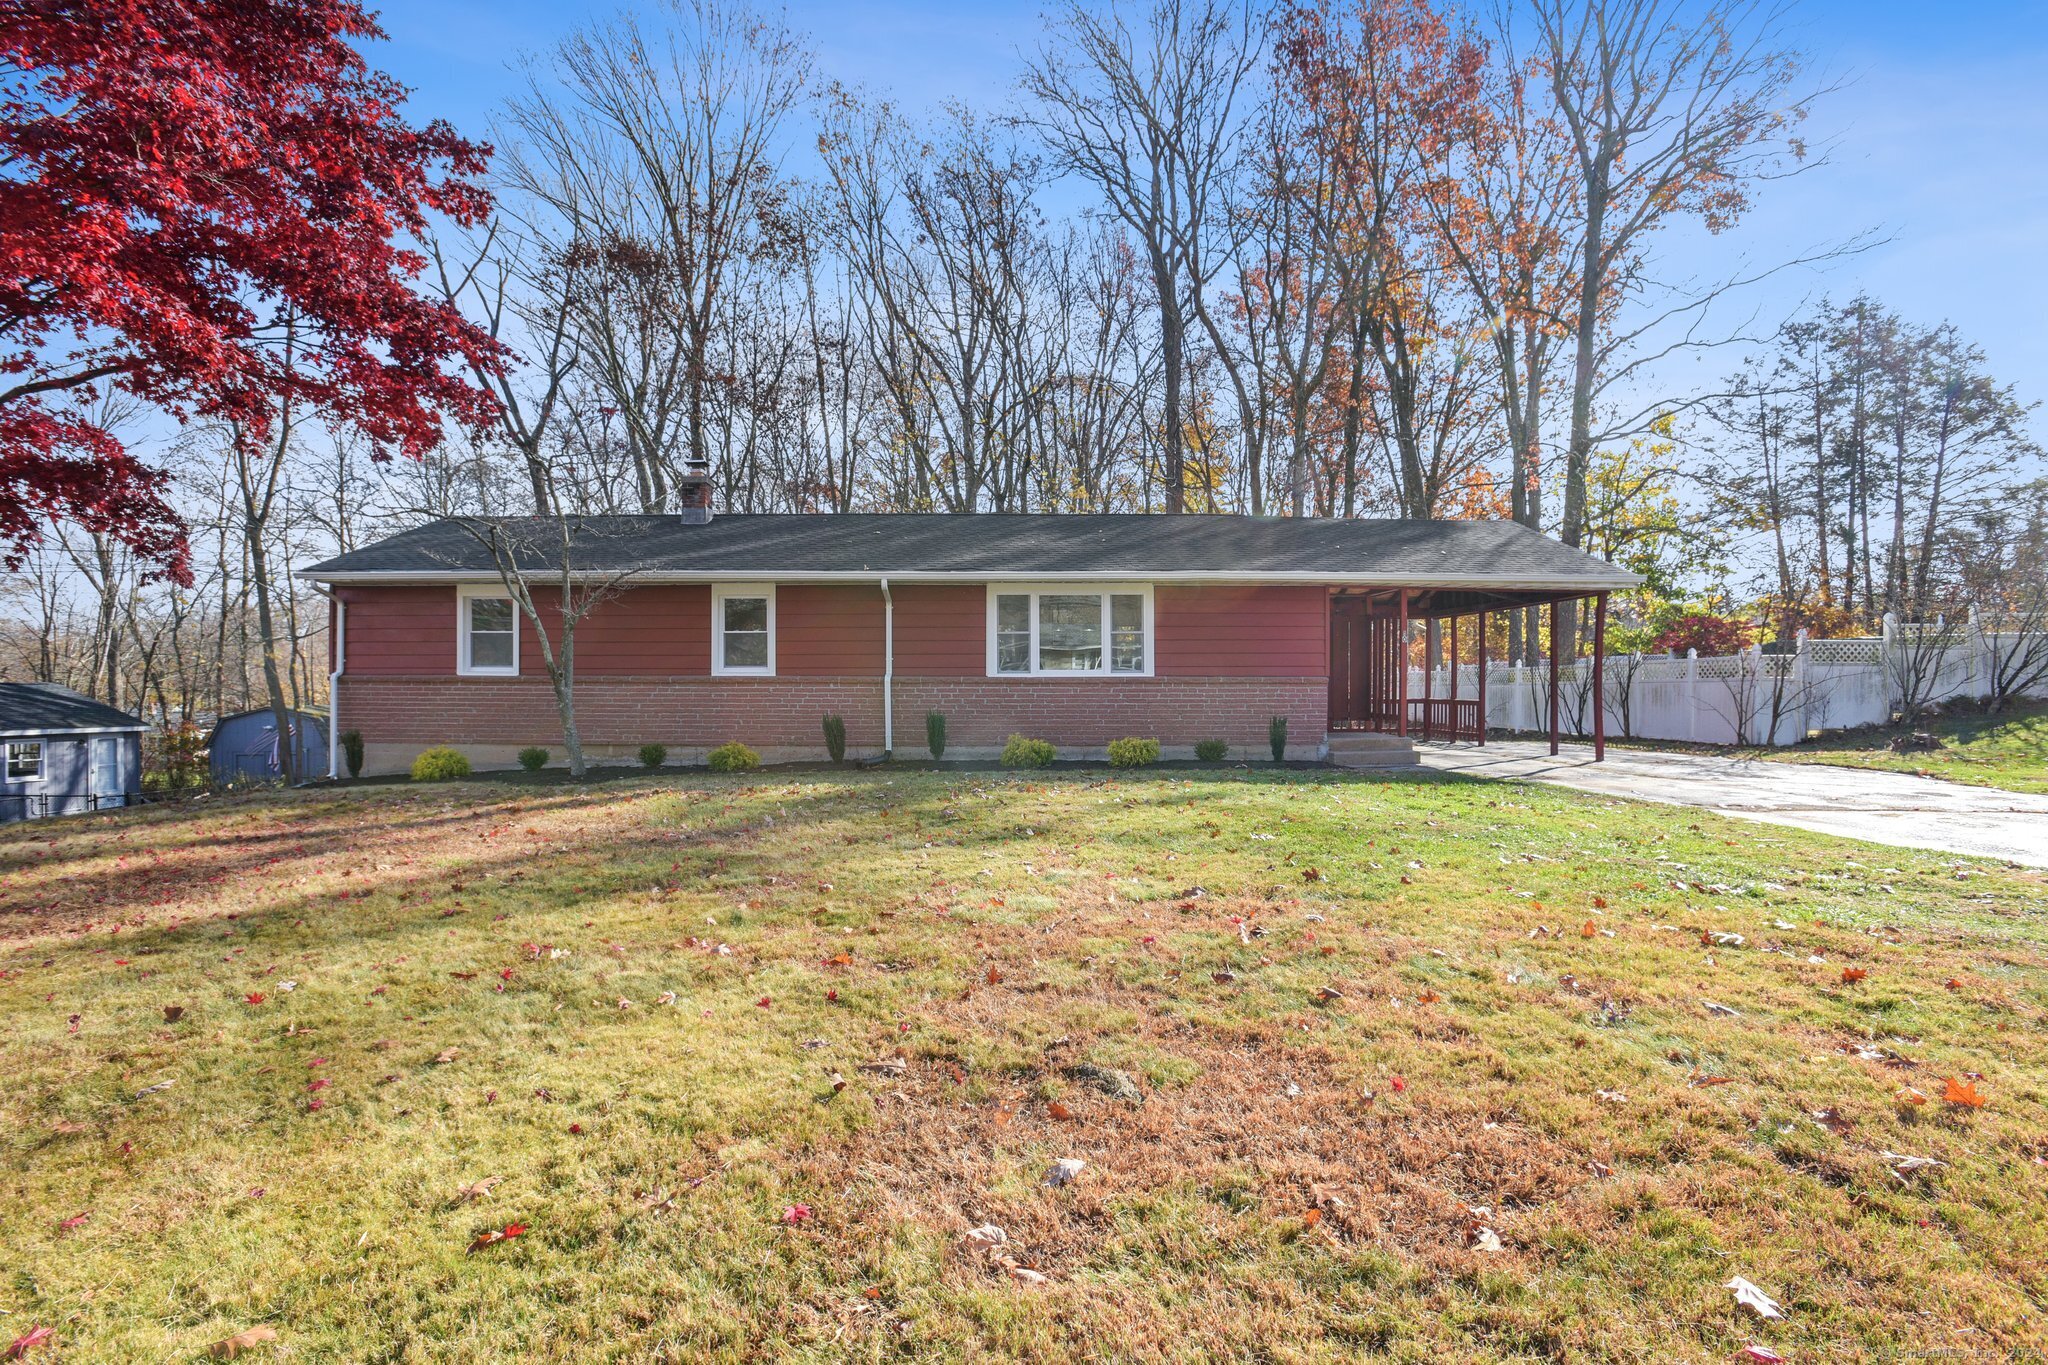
487, 632
25, 760
743, 630
1061, 630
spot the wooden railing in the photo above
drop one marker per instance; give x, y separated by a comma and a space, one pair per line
1441, 718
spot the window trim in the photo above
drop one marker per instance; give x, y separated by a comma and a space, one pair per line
42, 773
465, 594
1085, 589
719, 593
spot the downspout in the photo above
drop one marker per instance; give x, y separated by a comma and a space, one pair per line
334, 683
888, 672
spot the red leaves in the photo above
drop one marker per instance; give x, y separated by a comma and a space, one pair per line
1852, 975
28, 1341
172, 173
797, 1213
74, 1220
254, 997
493, 1236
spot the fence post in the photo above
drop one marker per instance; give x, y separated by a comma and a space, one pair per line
1888, 643
1798, 685
1692, 694
1979, 666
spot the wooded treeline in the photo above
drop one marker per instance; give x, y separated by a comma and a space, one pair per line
1346, 258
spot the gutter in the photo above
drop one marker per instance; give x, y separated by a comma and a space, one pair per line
1619, 581
888, 672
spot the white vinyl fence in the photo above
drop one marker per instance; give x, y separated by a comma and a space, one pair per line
1751, 697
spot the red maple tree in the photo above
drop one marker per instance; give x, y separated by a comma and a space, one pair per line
185, 184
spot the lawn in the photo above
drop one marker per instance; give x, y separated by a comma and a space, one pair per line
2008, 750
1449, 1071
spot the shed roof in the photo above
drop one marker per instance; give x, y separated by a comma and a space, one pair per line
915, 547
36, 708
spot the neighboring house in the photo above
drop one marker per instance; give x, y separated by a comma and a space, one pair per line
243, 747
1077, 629
61, 752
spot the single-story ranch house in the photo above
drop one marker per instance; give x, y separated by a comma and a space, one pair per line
1077, 629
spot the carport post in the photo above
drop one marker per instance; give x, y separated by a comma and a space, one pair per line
1482, 679
1599, 677
1401, 666
1553, 675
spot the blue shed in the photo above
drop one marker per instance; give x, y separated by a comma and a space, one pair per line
243, 747
61, 752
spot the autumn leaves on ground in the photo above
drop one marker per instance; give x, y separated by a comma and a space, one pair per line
787, 1066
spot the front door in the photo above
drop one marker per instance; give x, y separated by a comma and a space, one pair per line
1349, 632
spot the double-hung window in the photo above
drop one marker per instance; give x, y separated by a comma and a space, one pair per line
1058, 631
488, 625
743, 630
25, 761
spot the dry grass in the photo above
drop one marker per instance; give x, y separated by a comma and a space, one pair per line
1304, 1177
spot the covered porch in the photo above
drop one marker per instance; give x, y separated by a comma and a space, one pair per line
1383, 639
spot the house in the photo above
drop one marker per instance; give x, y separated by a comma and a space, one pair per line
1078, 629
61, 752
243, 746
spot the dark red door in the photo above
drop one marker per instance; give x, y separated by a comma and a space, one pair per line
1349, 699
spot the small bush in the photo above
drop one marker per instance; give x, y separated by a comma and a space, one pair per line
440, 764
1133, 752
1212, 750
653, 755
835, 738
352, 751
1023, 752
1276, 736
733, 758
935, 733
533, 759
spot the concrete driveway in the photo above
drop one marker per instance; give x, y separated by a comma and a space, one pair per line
1857, 803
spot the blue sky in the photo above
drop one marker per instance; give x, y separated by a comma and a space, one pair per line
1938, 139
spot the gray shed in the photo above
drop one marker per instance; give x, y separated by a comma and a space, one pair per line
243, 747
61, 752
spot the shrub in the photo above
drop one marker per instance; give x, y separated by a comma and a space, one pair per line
533, 759
1709, 634
1022, 752
1212, 750
733, 758
439, 764
835, 738
935, 733
1276, 737
175, 760
653, 755
1133, 752
352, 751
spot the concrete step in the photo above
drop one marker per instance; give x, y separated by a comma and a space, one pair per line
1369, 749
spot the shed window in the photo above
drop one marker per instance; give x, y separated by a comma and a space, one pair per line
25, 761
1059, 631
490, 634
743, 630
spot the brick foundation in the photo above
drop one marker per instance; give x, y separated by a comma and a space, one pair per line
491, 719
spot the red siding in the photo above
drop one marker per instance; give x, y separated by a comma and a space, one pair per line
941, 630
663, 631
1224, 632
828, 631
400, 632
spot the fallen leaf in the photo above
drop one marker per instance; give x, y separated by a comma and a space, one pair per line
493, 1236
28, 1341
1065, 1171
1312, 1217
1761, 1355
447, 1055
1058, 1110
986, 1238
233, 1346
173, 1013
1754, 1299
1486, 1239
1589, 930
1026, 1275
74, 1220
1963, 1094
1851, 975
796, 1213
477, 1189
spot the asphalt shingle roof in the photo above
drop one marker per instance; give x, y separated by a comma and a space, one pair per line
911, 546
46, 708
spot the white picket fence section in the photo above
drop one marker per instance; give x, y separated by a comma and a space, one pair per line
1746, 698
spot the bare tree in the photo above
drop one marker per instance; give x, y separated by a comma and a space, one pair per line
1150, 116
